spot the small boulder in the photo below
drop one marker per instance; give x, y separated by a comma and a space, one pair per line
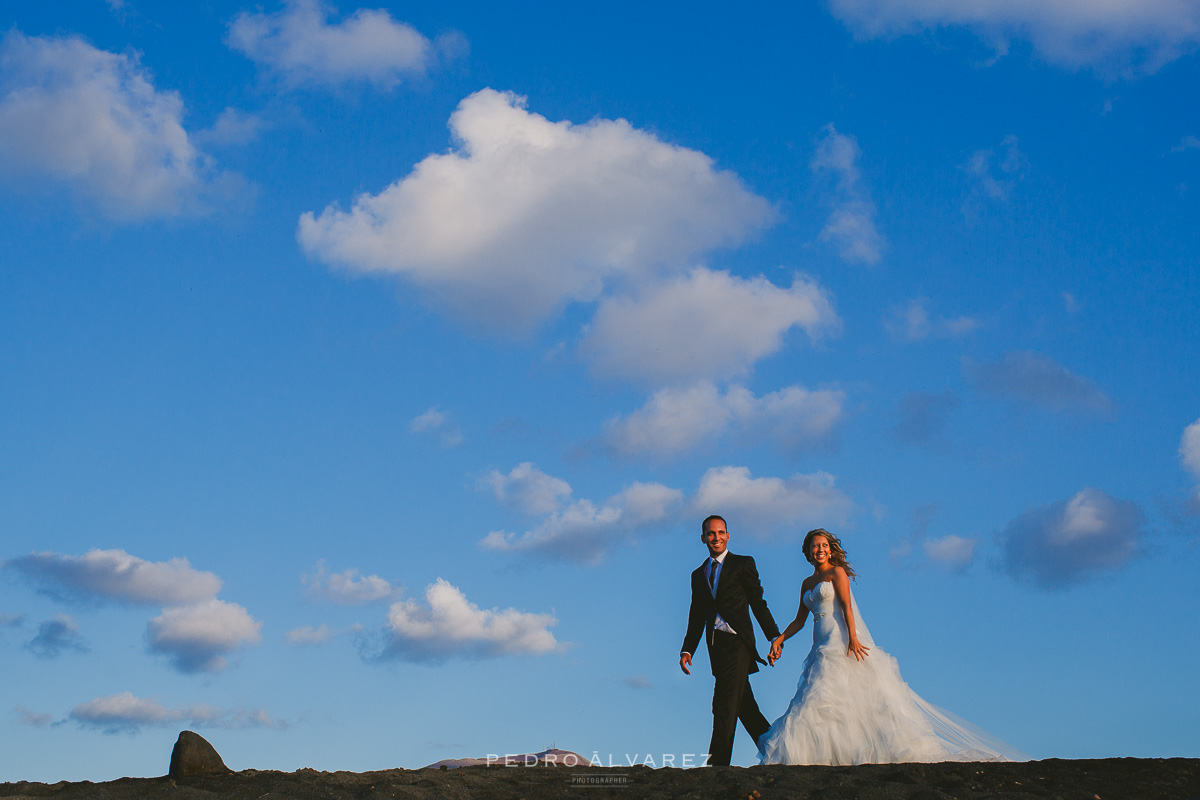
193, 755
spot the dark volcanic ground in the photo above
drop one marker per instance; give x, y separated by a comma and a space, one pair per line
1107, 779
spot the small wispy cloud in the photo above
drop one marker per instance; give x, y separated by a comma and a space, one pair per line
309, 635
851, 225
576, 530
913, 323
1189, 455
33, 719
127, 713
349, 587
994, 175
438, 424
55, 637
637, 682
1188, 142
1038, 380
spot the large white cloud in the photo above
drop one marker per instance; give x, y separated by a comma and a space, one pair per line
1039, 380
676, 420
703, 325
1075, 33
126, 712
448, 625
197, 637
851, 226
93, 121
765, 506
301, 46
526, 214
1068, 542
349, 587
116, 575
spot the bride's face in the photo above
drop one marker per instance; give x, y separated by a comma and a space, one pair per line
818, 551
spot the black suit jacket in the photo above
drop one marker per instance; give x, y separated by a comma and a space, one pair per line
739, 592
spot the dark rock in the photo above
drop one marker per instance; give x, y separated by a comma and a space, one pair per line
193, 755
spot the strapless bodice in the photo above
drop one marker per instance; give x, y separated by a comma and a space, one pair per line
829, 621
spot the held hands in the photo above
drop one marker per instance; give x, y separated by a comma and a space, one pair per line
857, 650
776, 651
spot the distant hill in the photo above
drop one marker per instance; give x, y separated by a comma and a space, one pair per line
546, 758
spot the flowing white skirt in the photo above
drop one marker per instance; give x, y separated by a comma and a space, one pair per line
862, 712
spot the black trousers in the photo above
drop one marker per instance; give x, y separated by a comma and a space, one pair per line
732, 697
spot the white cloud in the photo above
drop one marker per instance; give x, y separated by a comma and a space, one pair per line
93, 121
851, 225
764, 506
528, 489
308, 635
116, 575
31, 718
996, 183
1189, 454
1068, 542
300, 46
1039, 380
675, 420
578, 530
125, 712
1074, 33
912, 323
1188, 142
232, 127
55, 637
953, 551
1189, 448
449, 625
196, 637
349, 588
439, 424
703, 325
526, 215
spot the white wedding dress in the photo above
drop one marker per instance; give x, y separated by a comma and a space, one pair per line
848, 711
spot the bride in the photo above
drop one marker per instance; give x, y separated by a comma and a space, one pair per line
852, 706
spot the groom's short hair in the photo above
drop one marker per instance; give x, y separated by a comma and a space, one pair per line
710, 518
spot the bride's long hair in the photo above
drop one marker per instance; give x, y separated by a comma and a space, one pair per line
837, 555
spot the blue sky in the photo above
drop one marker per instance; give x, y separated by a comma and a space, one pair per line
367, 371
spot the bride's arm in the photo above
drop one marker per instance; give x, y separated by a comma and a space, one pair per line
841, 586
791, 630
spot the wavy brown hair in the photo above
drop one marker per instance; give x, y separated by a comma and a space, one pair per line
837, 555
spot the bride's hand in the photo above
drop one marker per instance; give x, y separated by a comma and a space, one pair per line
859, 651
776, 651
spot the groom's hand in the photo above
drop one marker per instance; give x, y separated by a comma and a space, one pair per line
685, 661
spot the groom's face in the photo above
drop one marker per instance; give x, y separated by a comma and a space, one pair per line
715, 537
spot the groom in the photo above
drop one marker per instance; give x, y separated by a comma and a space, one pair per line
725, 589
